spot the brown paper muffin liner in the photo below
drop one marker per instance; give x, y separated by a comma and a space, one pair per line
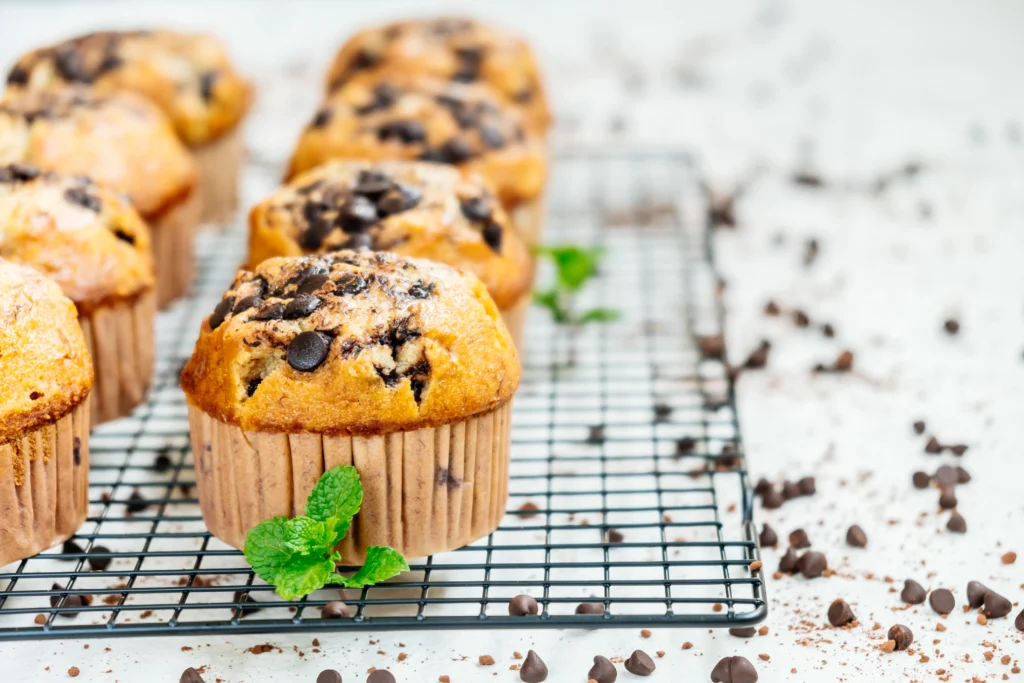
44, 485
528, 218
220, 165
515, 320
119, 337
174, 254
424, 491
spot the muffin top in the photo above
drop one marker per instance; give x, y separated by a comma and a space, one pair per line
403, 117
415, 209
118, 139
45, 370
450, 48
85, 237
355, 343
188, 75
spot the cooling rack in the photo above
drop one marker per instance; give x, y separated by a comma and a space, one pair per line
629, 486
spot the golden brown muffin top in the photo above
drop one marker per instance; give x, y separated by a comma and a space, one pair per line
413, 209
450, 48
117, 139
188, 75
407, 117
84, 236
45, 370
351, 343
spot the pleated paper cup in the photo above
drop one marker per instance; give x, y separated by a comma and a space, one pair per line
528, 218
120, 340
174, 254
44, 485
220, 165
424, 491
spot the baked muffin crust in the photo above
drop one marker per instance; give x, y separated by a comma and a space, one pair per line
355, 343
415, 209
188, 75
85, 237
45, 369
117, 139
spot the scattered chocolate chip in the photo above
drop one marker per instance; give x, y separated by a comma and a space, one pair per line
99, 563
712, 347
801, 319
190, 675
772, 309
856, 537
590, 608
308, 350
946, 476
962, 475
533, 669
839, 613
603, 670
381, 676
798, 539
522, 605
788, 562
640, 664
248, 604
220, 312
136, 503
902, 636
976, 593
919, 427
615, 536
957, 524
933, 446
162, 463
958, 449
913, 592
921, 480
72, 548
734, 670
329, 676
301, 306
807, 486
71, 602
335, 609
942, 601
812, 564
1019, 621
995, 606
748, 632
772, 499
947, 498
951, 326
761, 486
768, 537
790, 490
828, 330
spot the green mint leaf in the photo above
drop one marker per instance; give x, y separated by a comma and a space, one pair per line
381, 564
574, 265
304, 575
337, 494
553, 303
267, 549
597, 315
307, 536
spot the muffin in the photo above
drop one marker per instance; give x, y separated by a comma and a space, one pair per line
45, 378
121, 140
94, 245
189, 76
450, 48
416, 118
399, 367
414, 209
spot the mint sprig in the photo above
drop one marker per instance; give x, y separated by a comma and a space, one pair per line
298, 555
574, 267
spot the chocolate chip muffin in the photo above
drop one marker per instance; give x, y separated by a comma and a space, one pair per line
45, 379
121, 140
417, 118
451, 48
189, 76
400, 367
94, 245
416, 209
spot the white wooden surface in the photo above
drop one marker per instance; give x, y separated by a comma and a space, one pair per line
756, 89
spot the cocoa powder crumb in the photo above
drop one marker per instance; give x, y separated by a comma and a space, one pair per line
1009, 558
982, 619
74, 671
687, 645
443, 679
764, 658
940, 626
660, 653
763, 631
486, 660
645, 633
402, 656
755, 565
40, 619
517, 655
716, 607
888, 646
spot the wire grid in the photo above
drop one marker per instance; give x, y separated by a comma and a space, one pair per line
618, 491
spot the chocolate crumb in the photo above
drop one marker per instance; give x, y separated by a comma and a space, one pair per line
486, 660
74, 671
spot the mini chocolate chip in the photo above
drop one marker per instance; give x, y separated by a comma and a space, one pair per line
381, 676
921, 480
407, 132
734, 670
798, 539
350, 283
976, 593
246, 303
856, 537
942, 601
313, 283
957, 524
492, 234
995, 605
492, 137
207, 79
962, 475
933, 446
615, 536
812, 564
788, 562
640, 664
946, 475
685, 445
919, 427
902, 636
772, 499
301, 306
83, 198
958, 449
913, 593
136, 503
768, 537
99, 563
747, 632
335, 609
274, 311
951, 326
308, 350
522, 605
220, 312
790, 490
807, 486
72, 548
839, 613
533, 669
947, 498
252, 386
456, 151
590, 608
603, 670
190, 675
322, 118
328, 676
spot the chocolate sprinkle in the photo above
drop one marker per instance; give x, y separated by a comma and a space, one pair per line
839, 613
308, 350
902, 636
603, 670
942, 601
533, 669
913, 592
640, 664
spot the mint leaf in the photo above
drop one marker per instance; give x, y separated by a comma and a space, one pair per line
597, 315
307, 536
337, 494
381, 564
267, 549
551, 301
303, 576
574, 265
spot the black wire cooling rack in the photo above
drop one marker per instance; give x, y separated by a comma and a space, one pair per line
629, 486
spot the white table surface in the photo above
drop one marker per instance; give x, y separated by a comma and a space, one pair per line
756, 89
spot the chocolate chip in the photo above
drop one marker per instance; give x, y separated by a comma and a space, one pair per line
913, 593
533, 669
220, 312
492, 234
711, 347
381, 676
73, 602
392, 202
136, 503
312, 284
1019, 621
246, 303
812, 564
478, 209
301, 306
919, 427
274, 311
958, 449
407, 132
72, 548
328, 676
603, 670
947, 498
247, 604
466, 73
97, 557
162, 463
615, 536
839, 613
772, 499
946, 476
976, 593
350, 283
590, 608
768, 537
790, 490
685, 445
83, 198
807, 486
207, 79
492, 137
801, 319
828, 330
456, 150
384, 96
335, 609
995, 606
322, 118
798, 539
522, 605
18, 76
358, 214
942, 601
957, 524
640, 664
190, 675
951, 326
734, 670
962, 475
308, 350
933, 446
23, 172
788, 562
252, 386
747, 632
921, 480
902, 636
856, 537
